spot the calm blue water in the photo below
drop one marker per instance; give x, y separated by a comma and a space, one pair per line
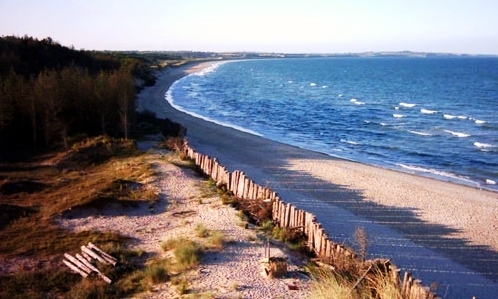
436, 117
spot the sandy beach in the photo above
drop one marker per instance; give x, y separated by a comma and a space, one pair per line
440, 231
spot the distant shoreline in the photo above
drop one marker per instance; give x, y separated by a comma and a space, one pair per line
438, 212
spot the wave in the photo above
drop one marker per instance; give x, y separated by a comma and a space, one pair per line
479, 122
356, 102
407, 105
483, 145
438, 173
312, 84
490, 182
427, 111
457, 134
169, 97
349, 142
420, 133
398, 115
209, 69
449, 116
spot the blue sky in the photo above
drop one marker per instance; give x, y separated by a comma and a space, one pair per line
310, 26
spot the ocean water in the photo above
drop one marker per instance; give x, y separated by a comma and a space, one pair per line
434, 117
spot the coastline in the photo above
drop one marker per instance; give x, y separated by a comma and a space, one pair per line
455, 223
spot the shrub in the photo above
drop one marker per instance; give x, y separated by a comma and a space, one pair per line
201, 231
187, 253
216, 240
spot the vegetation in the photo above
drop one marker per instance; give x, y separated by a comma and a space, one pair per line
36, 191
50, 93
187, 253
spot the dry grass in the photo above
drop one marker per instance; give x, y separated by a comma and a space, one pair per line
93, 173
187, 252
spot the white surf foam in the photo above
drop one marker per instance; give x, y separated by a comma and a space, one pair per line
457, 134
420, 133
490, 182
169, 97
398, 115
209, 69
438, 173
349, 142
312, 84
449, 116
427, 111
483, 145
407, 105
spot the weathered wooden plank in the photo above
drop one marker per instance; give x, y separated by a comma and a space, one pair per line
93, 254
86, 262
76, 262
75, 268
112, 260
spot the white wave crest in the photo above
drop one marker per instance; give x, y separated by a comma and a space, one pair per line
449, 116
209, 69
427, 111
479, 122
457, 134
490, 182
398, 115
312, 84
483, 145
420, 133
407, 105
324, 86
349, 142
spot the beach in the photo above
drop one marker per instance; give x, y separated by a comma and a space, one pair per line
448, 232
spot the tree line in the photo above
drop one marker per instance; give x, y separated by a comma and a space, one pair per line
49, 93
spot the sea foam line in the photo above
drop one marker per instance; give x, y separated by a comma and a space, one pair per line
407, 105
457, 134
420, 133
169, 97
427, 111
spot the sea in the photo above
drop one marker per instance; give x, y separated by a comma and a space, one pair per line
431, 116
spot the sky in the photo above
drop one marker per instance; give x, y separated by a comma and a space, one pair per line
285, 26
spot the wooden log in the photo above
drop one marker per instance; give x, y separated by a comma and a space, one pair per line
93, 254
75, 268
89, 265
86, 256
86, 262
112, 260
76, 262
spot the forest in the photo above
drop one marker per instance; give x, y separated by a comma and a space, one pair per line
50, 93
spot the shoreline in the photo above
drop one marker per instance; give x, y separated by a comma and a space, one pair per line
453, 223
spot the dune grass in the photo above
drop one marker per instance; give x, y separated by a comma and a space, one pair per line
93, 173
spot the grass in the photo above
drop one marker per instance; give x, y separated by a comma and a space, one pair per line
340, 285
187, 252
95, 172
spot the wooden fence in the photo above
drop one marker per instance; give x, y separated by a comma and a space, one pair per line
288, 216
